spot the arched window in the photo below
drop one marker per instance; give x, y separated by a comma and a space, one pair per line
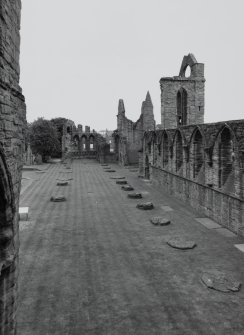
68, 130
83, 143
178, 151
181, 107
226, 156
76, 140
91, 143
165, 150
197, 153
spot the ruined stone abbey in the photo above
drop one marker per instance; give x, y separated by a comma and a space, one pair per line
202, 164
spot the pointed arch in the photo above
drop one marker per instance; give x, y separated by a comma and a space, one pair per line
165, 140
196, 152
181, 107
178, 150
91, 142
83, 142
76, 140
226, 155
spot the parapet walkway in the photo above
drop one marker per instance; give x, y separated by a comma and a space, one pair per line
95, 264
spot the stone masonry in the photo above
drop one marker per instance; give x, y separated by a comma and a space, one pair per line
84, 143
176, 91
12, 128
129, 134
201, 164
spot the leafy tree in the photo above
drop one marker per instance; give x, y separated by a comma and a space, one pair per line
44, 138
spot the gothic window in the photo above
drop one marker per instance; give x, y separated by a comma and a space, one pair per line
226, 156
91, 143
197, 153
165, 150
76, 140
83, 141
68, 130
181, 107
178, 151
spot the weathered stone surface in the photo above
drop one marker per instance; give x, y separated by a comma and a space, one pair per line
121, 182
160, 221
187, 161
181, 243
145, 206
220, 281
127, 188
135, 195
12, 147
58, 198
80, 142
129, 134
62, 183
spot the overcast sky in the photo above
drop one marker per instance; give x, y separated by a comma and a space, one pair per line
78, 57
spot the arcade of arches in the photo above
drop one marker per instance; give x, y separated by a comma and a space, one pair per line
202, 164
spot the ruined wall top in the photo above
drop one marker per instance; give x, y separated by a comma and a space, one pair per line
182, 98
131, 130
147, 114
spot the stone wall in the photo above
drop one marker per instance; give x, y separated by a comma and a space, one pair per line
88, 144
202, 165
128, 136
174, 88
12, 134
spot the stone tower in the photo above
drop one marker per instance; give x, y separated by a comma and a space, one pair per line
182, 98
121, 115
147, 113
12, 146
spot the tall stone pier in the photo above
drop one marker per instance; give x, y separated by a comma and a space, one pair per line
12, 134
